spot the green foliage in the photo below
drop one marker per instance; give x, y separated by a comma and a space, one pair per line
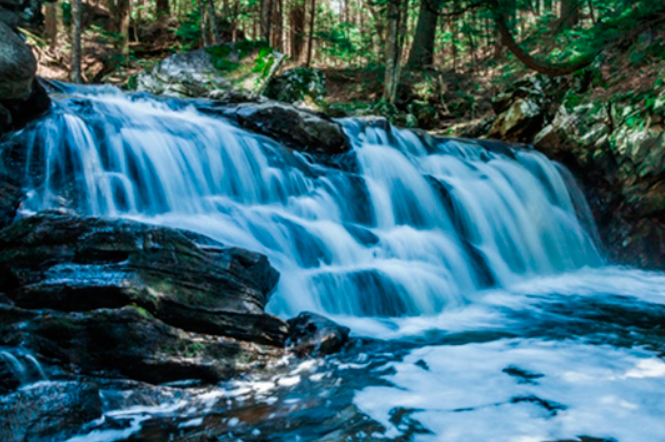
189, 32
296, 84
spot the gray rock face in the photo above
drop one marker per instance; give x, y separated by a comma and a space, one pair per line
17, 66
615, 148
233, 72
74, 264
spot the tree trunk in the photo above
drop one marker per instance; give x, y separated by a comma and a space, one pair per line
123, 16
51, 24
297, 19
76, 42
570, 13
392, 52
203, 23
422, 50
214, 24
553, 70
163, 8
310, 43
266, 19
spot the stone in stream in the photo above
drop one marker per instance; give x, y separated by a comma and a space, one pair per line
61, 262
312, 334
299, 129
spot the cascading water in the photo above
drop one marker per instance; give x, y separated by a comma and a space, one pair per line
477, 262
402, 229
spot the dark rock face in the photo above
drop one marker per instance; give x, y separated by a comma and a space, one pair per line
48, 412
312, 334
21, 97
77, 264
300, 129
129, 342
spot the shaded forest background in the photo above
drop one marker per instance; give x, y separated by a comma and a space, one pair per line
427, 63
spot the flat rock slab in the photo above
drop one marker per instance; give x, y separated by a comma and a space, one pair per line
67, 263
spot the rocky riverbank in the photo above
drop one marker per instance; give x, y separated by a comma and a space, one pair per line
615, 148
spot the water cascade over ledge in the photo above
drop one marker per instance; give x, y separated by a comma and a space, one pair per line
398, 227
474, 263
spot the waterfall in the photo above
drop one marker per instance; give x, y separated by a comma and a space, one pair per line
21, 365
404, 224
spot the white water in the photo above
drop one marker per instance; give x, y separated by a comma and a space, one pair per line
404, 241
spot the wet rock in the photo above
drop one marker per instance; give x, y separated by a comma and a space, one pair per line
300, 129
50, 411
312, 334
66, 263
129, 342
231, 71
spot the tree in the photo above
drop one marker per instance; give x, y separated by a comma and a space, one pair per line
162, 8
422, 50
310, 43
297, 20
531, 62
266, 19
393, 51
76, 42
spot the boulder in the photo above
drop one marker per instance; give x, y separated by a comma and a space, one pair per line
312, 334
300, 129
21, 97
17, 66
129, 342
65, 263
232, 71
303, 86
52, 411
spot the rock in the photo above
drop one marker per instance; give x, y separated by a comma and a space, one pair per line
231, 71
52, 411
618, 153
10, 200
312, 334
21, 97
129, 342
65, 263
299, 129
303, 86
17, 66
525, 108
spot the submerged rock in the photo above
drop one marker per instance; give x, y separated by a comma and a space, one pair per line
74, 264
312, 334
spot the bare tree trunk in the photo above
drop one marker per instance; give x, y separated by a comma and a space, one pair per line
278, 25
422, 50
297, 19
214, 24
310, 44
392, 53
76, 42
51, 24
123, 15
266, 19
203, 23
